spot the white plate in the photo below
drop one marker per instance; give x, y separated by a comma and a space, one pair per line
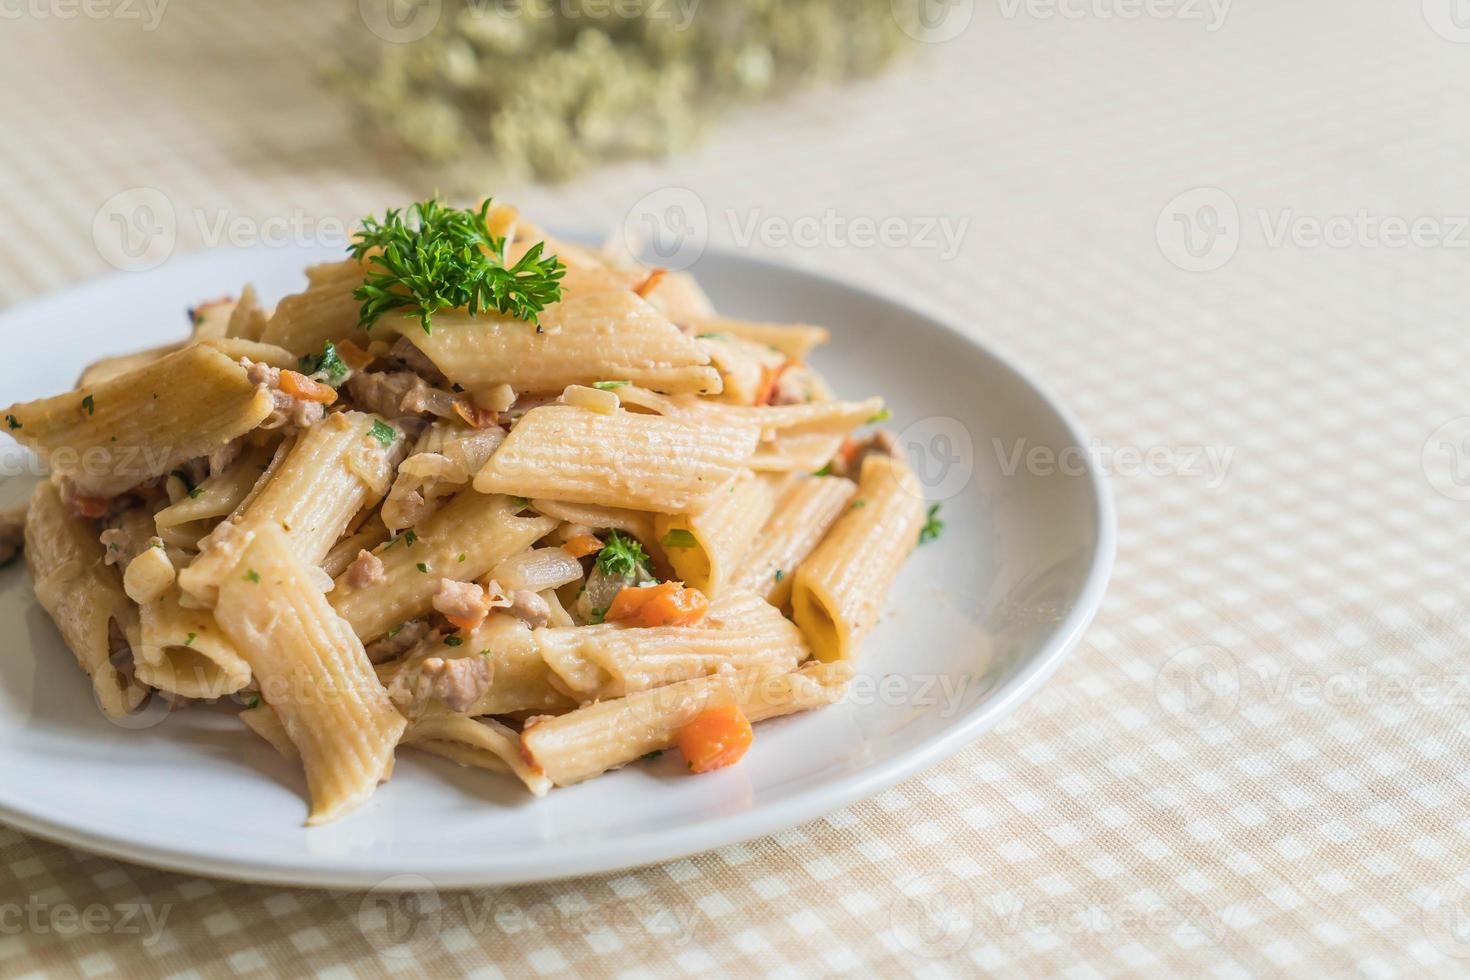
988, 610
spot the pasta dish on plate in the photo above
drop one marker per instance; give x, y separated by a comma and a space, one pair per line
526, 505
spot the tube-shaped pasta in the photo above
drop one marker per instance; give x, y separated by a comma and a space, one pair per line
591, 335
803, 516
463, 540
128, 429
481, 742
220, 494
303, 322
706, 548
741, 631
839, 589
602, 736
807, 418
335, 469
638, 524
638, 462
745, 367
795, 340
184, 651
313, 672
83, 596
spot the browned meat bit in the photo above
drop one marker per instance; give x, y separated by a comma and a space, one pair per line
530, 608
849, 462
406, 353
289, 410
458, 683
465, 604
12, 534
423, 397
366, 569
118, 546
395, 393
221, 458
792, 388
398, 641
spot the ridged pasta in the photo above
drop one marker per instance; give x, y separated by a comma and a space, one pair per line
802, 517
706, 548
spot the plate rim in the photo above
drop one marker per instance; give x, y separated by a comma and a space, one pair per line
646, 848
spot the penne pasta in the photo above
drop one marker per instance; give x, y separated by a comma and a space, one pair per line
84, 598
593, 739
741, 631
806, 511
626, 460
839, 590
183, 651
123, 431
794, 340
313, 673
481, 742
706, 548
325, 311
465, 539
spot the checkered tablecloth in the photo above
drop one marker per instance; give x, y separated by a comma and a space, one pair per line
1232, 235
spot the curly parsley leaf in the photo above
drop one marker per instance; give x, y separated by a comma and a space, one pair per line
933, 526
444, 258
327, 366
383, 432
621, 555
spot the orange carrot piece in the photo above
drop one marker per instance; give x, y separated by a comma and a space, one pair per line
669, 604
717, 737
583, 544
474, 416
90, 506
298, 385
650, 282
770, 379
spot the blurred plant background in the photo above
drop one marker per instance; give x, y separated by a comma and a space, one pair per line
547, 88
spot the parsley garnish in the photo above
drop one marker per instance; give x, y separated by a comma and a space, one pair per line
933, 526
712, 336
519, 503
453, 641
252, 576
383, 432
621, 555
443, 258
461, 557
824, 471
410, 538
883, 416
650, 756
394, 631
598, 615
326, 366
89, 405
421, 566
189, 640
194, 494
12, 421
254, 702
679, 538
610, 385
858, 503
780, 574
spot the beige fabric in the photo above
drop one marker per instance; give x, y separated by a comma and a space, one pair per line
1105, 828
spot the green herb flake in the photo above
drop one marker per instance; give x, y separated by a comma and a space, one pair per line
383, 432
453, 641
410, 539
460, 557
252, 576
89, 405
395, 631
679, 538
716, 335
194, 494
610, 385
327, 366
189, 640
598, 615
13, 422
254, 702
859, 503
650, 756
422, 567
621, 555
933, 526
824, 471
444, 258
883, 415
780, 574
519, 503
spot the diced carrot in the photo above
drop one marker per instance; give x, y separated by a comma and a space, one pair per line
770, 378
298, 385
583, 544
717, 737
468, 622
352, 355
475, 416
90, 506
669, 604
650, 282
